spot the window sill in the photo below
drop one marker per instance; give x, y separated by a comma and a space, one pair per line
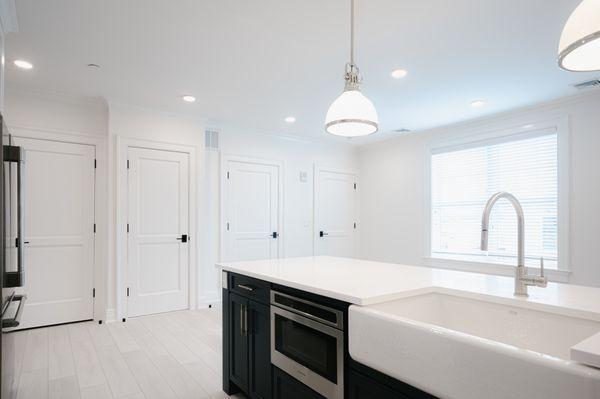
558, 276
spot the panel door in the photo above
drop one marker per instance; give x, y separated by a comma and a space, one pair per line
259, 349
158, 215
58, 231
335, 202
238, 341
251, 211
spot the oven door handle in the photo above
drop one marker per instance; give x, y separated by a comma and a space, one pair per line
315, 325
14, 322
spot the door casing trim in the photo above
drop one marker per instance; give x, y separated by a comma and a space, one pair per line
316, 170
225, 158
121, 210
99, 268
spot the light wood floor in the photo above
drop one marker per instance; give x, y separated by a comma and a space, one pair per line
174, 355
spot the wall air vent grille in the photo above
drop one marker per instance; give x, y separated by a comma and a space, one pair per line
212, 139
588, 84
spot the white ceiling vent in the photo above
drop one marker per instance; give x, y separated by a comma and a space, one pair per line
212, 139
588, 84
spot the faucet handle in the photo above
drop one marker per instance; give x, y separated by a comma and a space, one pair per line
542, 266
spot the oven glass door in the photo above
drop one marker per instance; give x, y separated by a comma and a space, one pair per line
314, 349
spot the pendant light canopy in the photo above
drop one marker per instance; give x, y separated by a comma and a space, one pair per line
579, 48
352, 114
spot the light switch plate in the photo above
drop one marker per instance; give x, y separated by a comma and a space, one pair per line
303, 176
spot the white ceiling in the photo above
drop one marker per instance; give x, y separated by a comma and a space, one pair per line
252, 63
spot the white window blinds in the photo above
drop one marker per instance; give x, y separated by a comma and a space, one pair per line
462, 180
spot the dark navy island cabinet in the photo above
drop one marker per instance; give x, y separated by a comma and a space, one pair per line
287, 387
366, 383
247, 364
246, 338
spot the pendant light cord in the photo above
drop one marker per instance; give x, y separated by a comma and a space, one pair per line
351, 76
352, 32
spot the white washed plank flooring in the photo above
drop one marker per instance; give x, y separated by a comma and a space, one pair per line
171, 355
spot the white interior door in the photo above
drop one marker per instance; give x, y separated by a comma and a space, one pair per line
335, 220
158, 215
58, 232
251, 203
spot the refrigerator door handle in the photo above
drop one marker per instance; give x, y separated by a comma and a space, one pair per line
16, 155
20, 220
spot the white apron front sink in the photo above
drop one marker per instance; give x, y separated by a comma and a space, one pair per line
457, 347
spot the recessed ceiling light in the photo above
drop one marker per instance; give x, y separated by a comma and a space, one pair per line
478, 103
23, 64
93, 66
401, 130
290, 119
528, 126
188, 98
399, 73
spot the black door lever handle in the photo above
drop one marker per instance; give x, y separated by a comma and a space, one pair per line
183, 238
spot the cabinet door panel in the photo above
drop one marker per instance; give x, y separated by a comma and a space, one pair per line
362, 387
287, 387
238, 341
259, 347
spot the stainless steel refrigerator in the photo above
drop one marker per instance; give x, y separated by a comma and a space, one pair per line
11, 257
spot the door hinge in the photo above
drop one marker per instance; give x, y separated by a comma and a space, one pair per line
127, 291
94, 228
227, 175
354, 224
355, 186
227, 226
128, 227
93, 293
95, 164
128, 164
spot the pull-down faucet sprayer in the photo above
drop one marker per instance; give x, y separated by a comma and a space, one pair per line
522, 279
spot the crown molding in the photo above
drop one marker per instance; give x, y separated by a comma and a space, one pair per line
8, 17
546, 110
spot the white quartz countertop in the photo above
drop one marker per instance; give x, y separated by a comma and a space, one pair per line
363, 282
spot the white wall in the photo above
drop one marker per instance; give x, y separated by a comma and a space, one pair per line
52, 112
75, 118
394, 200
296, 155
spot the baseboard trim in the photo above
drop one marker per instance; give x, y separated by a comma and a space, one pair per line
111, 315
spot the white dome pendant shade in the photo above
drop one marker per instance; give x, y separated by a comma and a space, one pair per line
579, 48
351, 114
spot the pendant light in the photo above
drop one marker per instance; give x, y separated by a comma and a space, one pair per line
579, 48
351, 114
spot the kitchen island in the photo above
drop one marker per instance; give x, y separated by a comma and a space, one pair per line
311, 327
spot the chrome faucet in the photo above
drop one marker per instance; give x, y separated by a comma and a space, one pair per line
522, 279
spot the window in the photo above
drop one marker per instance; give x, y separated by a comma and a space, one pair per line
464, 177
